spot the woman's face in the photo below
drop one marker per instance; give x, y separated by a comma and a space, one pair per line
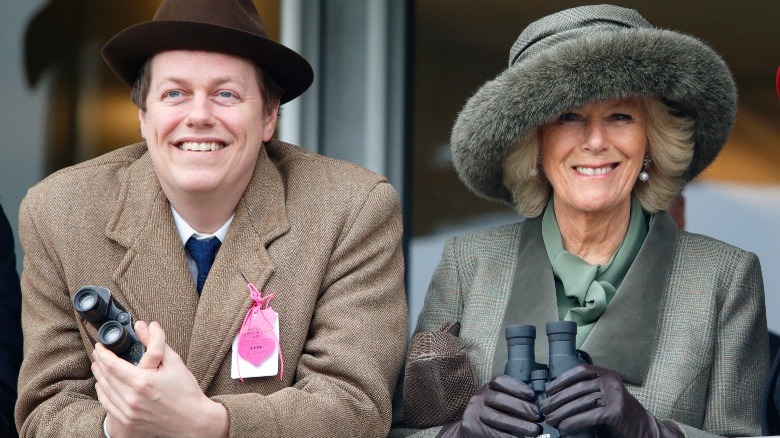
592, 155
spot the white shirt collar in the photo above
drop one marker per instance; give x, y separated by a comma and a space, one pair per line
186, 231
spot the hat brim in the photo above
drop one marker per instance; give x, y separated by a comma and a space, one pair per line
128, 50
679, 69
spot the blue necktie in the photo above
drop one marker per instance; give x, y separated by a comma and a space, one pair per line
203, 252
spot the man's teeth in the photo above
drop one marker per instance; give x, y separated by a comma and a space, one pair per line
193, 146
594, 171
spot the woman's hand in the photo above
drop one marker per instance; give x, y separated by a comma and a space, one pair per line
588, 396
502, 408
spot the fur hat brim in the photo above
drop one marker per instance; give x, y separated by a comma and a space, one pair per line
676, 68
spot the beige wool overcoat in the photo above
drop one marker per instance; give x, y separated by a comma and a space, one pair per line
322, 235
686, 329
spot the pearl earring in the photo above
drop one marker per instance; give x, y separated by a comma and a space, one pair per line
643, 175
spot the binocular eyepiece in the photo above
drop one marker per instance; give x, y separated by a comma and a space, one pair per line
113, 322
521, 362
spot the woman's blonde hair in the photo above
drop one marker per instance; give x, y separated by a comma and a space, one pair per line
670, 140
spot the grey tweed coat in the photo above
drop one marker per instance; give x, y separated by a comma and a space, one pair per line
323, 235
686, 330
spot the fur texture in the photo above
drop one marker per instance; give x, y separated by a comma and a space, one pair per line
618, 62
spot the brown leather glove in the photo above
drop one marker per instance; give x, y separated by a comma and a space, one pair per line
588, 396
438, 380
502, 408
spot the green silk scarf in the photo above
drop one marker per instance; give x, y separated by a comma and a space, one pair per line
584, 290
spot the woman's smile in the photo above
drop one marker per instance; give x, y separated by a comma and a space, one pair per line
595, 171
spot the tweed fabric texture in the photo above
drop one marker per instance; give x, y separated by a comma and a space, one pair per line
438, 380
586, 54
323, 235
709, 356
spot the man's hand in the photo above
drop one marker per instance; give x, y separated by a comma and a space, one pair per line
158, 397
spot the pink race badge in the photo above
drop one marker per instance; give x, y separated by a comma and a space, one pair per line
257, 340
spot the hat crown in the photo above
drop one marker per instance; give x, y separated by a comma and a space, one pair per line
570, 24
239, 14
232, 27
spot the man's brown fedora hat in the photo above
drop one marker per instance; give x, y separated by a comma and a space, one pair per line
233, 27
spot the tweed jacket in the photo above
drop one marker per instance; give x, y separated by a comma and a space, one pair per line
323, 235
686, 329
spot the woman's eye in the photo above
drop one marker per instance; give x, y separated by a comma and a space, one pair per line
621, 117
568, 117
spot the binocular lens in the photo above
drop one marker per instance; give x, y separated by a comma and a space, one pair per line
561, 327
87, 301
520, 334
114, 336
561, 331
90, 305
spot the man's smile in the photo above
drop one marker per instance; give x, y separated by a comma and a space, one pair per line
200, 146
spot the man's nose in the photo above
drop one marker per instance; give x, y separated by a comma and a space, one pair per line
200, 112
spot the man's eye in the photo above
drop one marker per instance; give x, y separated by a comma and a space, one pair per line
226, 94
172, 93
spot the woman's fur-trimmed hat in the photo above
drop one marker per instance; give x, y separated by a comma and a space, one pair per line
586, 54
232, 27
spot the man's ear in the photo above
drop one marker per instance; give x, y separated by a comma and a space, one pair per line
142, 120
270, 123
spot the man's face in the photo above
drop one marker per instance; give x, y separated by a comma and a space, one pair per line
204, 122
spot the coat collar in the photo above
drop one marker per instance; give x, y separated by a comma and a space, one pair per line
153, 278
624, 337
532, 298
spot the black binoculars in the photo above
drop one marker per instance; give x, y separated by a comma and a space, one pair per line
521, 363
113, 322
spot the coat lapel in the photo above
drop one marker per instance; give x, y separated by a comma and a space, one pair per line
152, 280
259, 219
623, 338
532, 299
